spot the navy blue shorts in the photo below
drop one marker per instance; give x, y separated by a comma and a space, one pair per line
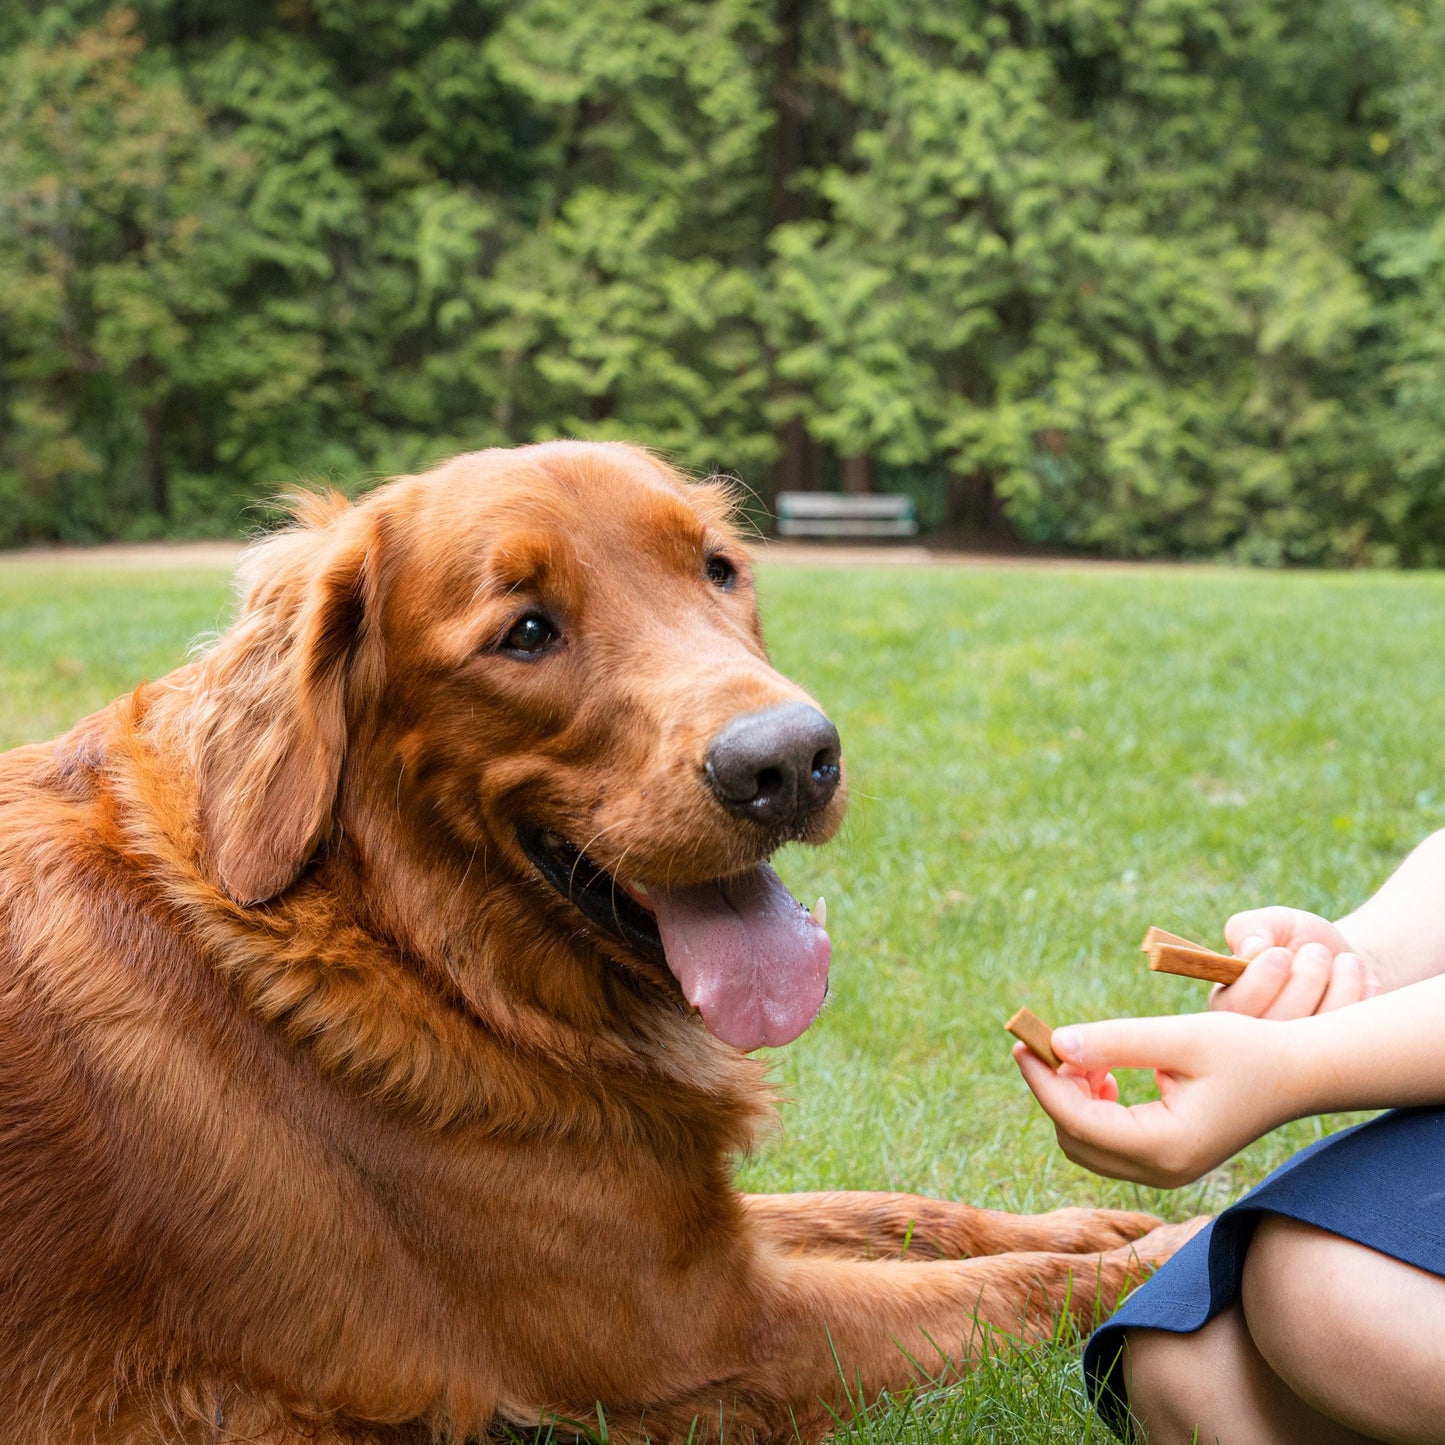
1381, 1184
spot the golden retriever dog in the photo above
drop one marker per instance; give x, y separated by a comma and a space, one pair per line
378, 998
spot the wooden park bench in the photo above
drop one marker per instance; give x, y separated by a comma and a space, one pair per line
845, 514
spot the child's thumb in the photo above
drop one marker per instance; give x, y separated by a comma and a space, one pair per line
1120, 1043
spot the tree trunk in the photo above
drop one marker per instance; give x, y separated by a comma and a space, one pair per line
154, 462
858, 475
974, 505
799, 467
788, 111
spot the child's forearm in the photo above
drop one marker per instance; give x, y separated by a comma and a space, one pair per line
1401, 930
1384, 1052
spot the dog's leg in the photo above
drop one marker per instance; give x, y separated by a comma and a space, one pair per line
208, 1411
863, 1225
813, 1340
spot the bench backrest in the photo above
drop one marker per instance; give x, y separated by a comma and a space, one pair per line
845, 514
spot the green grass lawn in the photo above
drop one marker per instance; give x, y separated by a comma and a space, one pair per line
1043, 762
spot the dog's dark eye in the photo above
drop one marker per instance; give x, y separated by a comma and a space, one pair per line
530, 633
720, 572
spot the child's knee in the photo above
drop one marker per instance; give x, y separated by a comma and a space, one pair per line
1192, 1388
1353, 1333
1166, 1384
1302, 1314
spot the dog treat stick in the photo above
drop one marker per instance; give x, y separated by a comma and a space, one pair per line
1168, 953
1035, 1033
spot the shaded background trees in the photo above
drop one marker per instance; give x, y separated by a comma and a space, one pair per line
1137, 276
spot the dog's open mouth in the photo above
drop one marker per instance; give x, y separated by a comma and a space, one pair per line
749, 957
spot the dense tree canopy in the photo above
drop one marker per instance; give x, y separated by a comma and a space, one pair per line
1140, 276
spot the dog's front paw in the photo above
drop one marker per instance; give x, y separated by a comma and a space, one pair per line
1150, 1250
1095, 1231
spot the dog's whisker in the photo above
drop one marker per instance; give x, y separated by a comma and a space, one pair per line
466, 872
615, 878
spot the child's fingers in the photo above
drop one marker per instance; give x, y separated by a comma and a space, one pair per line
1349, 982
1083, 1082
1309, 977
1099, 1133
1101, 1083
1248, 934
1053, 1088
1257, 987
1034, 1069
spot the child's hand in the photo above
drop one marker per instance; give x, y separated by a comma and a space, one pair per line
1221, 1082
1299, 964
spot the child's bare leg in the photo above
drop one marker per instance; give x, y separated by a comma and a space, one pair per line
1332, 1343
1214, 1385
1356, 1334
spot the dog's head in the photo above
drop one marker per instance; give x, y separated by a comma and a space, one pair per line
546, 667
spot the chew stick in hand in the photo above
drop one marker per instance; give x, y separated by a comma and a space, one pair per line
1036, 1034
1168, 953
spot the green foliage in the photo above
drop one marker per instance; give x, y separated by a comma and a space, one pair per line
1405, 257
628, 308
1158, 278
1100, 263
115, 267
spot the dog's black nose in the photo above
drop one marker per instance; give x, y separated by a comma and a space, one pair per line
778, 766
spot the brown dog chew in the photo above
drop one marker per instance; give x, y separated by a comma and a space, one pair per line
1156, 936
1036, 1034
1169, 953
376, 998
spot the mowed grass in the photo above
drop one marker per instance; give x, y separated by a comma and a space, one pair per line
1042, 763
74, 637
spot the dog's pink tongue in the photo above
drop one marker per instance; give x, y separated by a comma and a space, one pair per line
750, 958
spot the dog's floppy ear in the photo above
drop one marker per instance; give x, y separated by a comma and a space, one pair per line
306, 640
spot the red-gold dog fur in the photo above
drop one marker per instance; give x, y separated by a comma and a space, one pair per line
323, 1118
